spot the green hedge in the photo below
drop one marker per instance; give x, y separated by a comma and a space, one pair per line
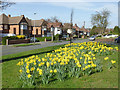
43, 38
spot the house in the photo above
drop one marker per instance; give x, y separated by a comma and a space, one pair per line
77, 30
14, 25
39, 27
84, 31
66, 26
57, 28
21, 25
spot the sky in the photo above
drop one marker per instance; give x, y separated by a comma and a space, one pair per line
82, 11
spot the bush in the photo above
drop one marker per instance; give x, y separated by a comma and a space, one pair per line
57, 37
20, 36
43, 38
116, 30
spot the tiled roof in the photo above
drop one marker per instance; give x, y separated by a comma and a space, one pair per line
37, 22
76, 27
67, 25
15, 20
55, 24
83, 29
29, 21
3, 19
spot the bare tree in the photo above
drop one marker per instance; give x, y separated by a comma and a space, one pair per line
53, 19
4, 4
100, 19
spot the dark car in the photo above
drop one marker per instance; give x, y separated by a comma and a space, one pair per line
117, 40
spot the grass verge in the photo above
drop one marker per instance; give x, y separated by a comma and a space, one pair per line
28, 44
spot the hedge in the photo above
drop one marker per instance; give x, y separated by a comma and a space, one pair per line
43, 38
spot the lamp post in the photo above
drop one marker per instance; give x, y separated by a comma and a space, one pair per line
52, 32
69, 31
34, 28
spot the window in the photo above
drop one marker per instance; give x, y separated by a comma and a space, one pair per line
5, 26
24, 27
14, 30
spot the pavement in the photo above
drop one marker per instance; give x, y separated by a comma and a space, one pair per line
9, 49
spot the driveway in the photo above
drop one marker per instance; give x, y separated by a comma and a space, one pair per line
9, 49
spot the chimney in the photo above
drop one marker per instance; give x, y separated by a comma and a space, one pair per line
76, 25
22, 15
9, 15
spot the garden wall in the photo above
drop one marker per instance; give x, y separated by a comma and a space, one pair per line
18, 41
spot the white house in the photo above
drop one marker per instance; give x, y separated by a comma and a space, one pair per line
57, 30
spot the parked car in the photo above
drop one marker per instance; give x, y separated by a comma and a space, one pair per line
32, 39
110, 35
92, 38
7, 34
117, 40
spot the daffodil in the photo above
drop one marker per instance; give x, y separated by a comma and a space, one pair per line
106, 58
55, 71
28, 75
20, 71
113, 61
51, 71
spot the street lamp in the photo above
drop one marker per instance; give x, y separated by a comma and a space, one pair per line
69, 31
34, 28
52, 32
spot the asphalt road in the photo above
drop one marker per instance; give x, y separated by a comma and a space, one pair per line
9, 49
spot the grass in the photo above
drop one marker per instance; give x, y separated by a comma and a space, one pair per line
56, 41
27, 44
105, 79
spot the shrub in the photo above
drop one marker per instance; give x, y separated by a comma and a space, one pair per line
57, 37
20, 36
43, 38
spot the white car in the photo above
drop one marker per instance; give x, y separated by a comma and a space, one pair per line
110, 35
92, 38
7, 34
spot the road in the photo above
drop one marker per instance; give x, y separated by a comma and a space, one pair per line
9, 49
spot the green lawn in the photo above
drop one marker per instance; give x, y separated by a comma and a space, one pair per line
105, 79
27, 44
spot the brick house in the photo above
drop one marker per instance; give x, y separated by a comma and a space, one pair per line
22, 26
14, 25
39, 27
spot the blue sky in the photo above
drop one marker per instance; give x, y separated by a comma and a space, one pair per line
62, 10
